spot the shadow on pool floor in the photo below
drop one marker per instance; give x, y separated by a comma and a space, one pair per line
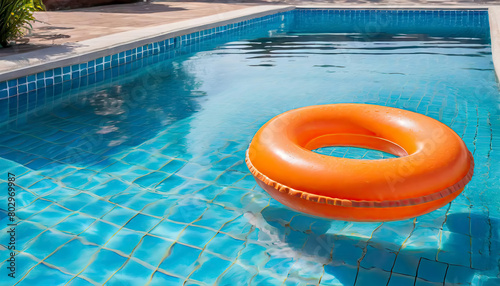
469, 247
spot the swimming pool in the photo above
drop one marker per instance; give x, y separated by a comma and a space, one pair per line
138, 176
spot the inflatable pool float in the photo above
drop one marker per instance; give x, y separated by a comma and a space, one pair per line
432, 168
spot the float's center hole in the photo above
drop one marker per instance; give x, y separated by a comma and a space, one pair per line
354, 153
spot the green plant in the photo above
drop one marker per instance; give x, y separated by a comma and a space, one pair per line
16, 17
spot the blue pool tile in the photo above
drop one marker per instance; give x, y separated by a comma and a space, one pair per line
226, 198
104, 265
99, 75
77, 179
479, 226
160, 207
155, 162
124, 241
152, 250
77, 202
312, 245
40, 84
66, 70
124, 198
77, 281
142, 223
328, 279
117, 168
133, 173
345, 274
346, 252
168, 229
75, 224
58, 79
236, 274
13, 106
119, 215
97, 208
47, 274
24, 199
401, 280
46, 243
43, 186
253, 254
225, 245
406, 264
373, 277
457, 275
301, 223
12, 91
196, 236
140, 274
209, 192
151, 180
59, 193
377, 258
188, 210
216, 216
190, 170
31, 100
91, 78
432, 271
481, 251
12, 83
261, 279
67, 83
280, 266
160, 278
22, 80
211, 267
303, 267
229, 178
491, 282
29, 179
4, 93
99, 232
455, 248
35, 207
50, 216
420, 282
395, 232
110, 188
238, 227
191, 187
181, 260
170, 183
49, 81
4, 106
25, 232
73, 256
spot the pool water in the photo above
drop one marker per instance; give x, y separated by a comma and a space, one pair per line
141, 179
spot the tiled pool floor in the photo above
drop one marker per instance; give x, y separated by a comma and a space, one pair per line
142, 180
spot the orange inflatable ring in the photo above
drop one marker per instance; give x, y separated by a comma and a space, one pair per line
432, 169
